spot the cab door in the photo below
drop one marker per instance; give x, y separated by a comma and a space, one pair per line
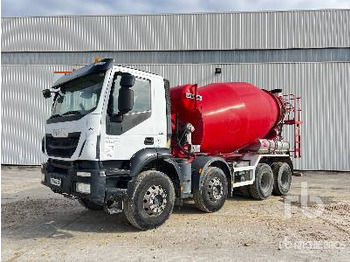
135, 130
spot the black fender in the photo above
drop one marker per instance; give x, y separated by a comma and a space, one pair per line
160, 156
145, 156
140, 159
201, 165
174, 165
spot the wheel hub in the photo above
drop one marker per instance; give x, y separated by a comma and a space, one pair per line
216, 189
154, 200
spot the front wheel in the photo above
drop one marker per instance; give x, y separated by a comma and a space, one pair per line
212, 194
151, 201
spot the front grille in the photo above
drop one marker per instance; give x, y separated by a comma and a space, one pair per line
62, 146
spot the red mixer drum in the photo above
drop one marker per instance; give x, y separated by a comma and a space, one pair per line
226, 116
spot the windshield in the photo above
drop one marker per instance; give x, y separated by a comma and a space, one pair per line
78, 97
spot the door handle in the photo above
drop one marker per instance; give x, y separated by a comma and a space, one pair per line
149, 141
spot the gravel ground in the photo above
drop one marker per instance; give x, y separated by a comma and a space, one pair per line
38, 225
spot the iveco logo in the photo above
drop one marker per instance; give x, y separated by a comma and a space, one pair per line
61, 132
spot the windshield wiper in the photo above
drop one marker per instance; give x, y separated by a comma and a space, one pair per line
75, 112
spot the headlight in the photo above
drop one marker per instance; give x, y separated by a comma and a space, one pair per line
83, 188
84, 174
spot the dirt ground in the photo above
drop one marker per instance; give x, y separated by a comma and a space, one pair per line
38, 225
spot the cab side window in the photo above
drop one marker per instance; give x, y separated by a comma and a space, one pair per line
142, 96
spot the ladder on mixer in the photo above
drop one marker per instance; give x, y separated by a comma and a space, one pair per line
295, 120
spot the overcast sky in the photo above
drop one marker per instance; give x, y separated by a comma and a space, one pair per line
94, 7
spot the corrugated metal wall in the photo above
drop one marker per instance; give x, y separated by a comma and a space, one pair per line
247, 30
325, 88
24, 112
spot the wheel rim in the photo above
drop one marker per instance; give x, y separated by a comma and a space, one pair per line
154, 200
215, 189
265, 182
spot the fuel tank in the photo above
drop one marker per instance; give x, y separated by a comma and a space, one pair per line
226, 116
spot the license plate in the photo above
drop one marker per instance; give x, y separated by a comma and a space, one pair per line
55, 181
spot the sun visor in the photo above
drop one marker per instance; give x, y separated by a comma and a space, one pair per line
96, 67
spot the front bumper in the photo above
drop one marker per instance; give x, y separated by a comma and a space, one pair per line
103, 186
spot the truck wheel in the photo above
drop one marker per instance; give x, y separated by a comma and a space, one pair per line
89, 205
263, 184
282, 178
212, 194
151, 201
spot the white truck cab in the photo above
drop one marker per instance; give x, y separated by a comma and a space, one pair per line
85, 113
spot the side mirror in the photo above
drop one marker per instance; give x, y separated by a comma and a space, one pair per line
46, 93
127, 80
125, 100
126, 94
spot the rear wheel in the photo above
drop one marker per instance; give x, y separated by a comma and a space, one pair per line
152, 200
213, 193
89, 205
282, 178
263, 184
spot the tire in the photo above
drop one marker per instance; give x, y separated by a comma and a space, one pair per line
212, 194
89, 205
151, 201
263, 184
282, 178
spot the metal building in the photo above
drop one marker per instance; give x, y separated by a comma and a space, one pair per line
304, 52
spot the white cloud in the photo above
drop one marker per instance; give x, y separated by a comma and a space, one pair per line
93, 7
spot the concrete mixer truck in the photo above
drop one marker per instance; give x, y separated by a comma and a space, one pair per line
121, 140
